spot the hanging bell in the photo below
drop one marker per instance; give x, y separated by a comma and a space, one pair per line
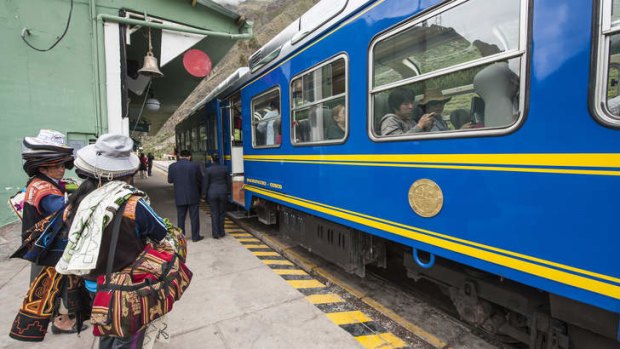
150, 67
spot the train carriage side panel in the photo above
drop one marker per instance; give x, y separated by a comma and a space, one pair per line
536, 205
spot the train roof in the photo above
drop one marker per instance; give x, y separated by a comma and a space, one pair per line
312, 24
224, 88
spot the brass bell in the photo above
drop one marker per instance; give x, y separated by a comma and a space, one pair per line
150, 67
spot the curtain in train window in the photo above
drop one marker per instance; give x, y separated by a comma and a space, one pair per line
267, 120
318, 104
235, 121
195, 141
456, 70
203, 138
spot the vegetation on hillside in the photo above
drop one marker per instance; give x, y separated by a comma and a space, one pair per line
269, 17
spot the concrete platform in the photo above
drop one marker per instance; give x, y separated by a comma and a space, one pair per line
234, 301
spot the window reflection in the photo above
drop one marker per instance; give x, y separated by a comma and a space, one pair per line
478, 96
615, 13
319, 104
448, 39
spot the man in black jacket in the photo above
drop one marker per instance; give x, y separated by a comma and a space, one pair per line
187, 179
216, 189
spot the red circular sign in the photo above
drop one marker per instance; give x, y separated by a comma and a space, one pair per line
197, 63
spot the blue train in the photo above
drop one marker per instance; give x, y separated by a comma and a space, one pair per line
477, 139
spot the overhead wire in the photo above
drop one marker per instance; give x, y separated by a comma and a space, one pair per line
26, 32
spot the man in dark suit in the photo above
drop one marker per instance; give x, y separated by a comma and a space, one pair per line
216, 189
187, 180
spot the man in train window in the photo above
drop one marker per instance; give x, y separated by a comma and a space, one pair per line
401, 120
268, 125
433, 103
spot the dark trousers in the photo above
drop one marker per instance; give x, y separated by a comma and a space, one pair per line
133, 342
218, 210
150, 169
193, 217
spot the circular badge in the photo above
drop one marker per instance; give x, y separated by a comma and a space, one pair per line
425, 198
197, 63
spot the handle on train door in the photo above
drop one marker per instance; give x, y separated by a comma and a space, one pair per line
425, 265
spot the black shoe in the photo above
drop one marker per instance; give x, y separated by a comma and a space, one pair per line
56, 330
216, 237
198, 239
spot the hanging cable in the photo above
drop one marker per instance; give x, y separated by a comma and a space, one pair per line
26, 32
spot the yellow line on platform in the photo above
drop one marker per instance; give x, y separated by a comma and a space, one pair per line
239, 234
248, 240
256, 246
348, 317
276, 262
324, 298
383, 341
270, 253
289, 272
305, 283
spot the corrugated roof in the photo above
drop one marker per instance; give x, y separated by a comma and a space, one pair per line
219, 8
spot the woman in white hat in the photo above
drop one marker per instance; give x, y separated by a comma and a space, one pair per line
108, 167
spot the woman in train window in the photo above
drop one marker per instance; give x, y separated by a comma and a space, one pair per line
400, 120
336, 129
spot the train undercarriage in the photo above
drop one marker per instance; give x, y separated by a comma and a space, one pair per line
510, 311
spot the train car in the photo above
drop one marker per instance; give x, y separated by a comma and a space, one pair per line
198, 133
477, 138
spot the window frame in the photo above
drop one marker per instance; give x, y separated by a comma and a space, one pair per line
253, 129
293, 108
231, 126
604, 31
304, 32
522, 52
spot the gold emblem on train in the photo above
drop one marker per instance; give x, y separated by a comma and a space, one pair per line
425, 198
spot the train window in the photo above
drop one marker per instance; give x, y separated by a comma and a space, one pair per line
266, 120
319, 104
188, 139
203, 138
236, 134
447, 74
607, 92
195, 140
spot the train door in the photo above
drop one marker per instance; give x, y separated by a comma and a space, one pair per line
235, 142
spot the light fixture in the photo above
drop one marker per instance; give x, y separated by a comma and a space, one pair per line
150, 67
152, 104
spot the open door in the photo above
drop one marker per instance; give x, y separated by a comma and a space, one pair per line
235, 142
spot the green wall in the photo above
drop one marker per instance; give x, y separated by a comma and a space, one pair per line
53, 89
57, 89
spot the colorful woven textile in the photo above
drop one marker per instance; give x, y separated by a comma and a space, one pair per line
93, 215
139, 294
44, 243
31, 322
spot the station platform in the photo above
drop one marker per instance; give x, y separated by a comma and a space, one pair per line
237, 298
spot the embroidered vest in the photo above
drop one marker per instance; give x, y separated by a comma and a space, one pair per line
37, 189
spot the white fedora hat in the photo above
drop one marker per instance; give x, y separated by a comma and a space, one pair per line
110, 157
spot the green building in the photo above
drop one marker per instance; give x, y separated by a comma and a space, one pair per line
88, 83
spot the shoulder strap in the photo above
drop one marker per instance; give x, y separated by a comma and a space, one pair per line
118, 217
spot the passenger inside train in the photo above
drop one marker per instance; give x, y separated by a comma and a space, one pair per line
267, 119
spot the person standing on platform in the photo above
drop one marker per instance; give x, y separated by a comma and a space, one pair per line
150, 159
187, 180
217, 189
45, 159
